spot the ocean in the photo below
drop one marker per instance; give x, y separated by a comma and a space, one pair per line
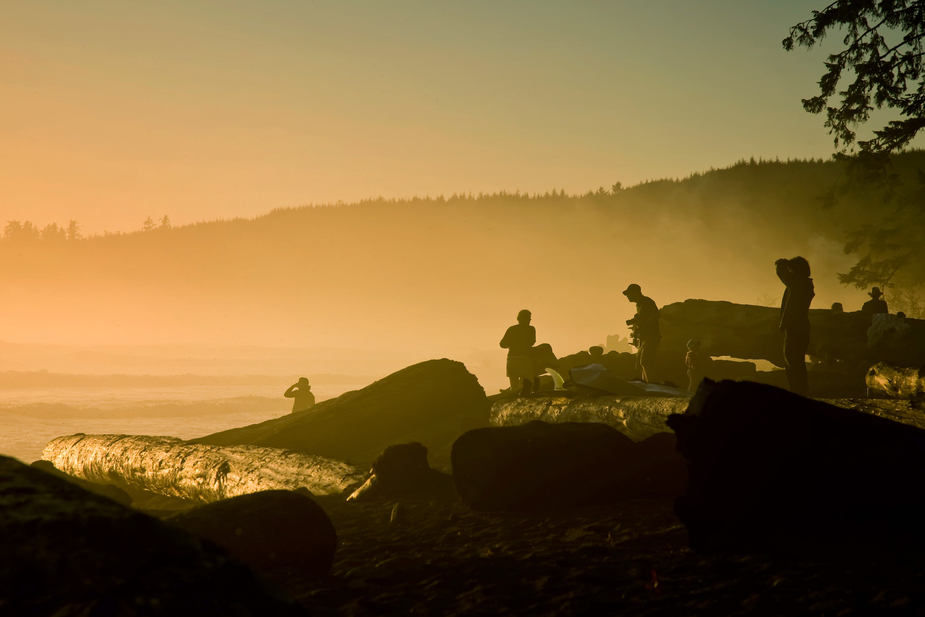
31, 417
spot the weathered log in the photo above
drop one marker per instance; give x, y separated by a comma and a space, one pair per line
432, 403
895, 381
635, 417
539, 466
106, 490
641, 417
268, 531
67, 551
175, 468
751, 332
773, 471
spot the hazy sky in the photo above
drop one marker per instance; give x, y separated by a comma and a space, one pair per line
111, 111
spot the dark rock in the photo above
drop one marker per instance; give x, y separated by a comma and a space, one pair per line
398, 515
67, 551
539, 466
106, 490
432, 403
268, 530
894, 381
773, 471
403, 470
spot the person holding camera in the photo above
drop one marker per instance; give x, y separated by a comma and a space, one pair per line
794, 319
646, 335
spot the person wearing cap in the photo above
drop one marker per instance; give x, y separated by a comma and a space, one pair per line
645, 329
876, 304
794, 319
301, 392
519, 340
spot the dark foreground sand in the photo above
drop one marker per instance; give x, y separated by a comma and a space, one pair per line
627, 559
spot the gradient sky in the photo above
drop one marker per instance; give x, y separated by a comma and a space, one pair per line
111, 111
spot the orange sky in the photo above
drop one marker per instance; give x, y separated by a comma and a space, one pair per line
113, 111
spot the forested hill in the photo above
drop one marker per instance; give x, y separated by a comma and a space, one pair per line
439, 272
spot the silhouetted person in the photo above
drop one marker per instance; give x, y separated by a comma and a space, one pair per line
876, 304
794, 319
837, 308
645, 329
302, 393
697, 363
519, 340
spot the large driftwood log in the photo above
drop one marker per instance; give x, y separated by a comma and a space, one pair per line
751, 332
640, 417
895, 381
770, 470
432, 403
635, 417
176, 468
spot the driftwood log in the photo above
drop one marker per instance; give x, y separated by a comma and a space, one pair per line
635, 417
641, 417
175, 468
751, 332
894, 381
773, 471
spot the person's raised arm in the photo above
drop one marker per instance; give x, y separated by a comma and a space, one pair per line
784, 273
290, 393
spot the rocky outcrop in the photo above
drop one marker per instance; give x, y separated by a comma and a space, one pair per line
67, 551
751, 332
402, 470
635, 417
268, 531
540, 466
894, 381
773, 471
432, 403
175, 468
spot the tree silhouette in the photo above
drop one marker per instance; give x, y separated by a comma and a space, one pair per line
165, 222
73, 230
883, 53
149, 224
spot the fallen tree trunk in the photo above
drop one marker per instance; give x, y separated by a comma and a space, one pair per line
895, 381
641, 417
637, 417
200, 473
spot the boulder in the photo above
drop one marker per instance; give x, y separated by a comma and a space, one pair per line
67, 551
432, 403
268, 531
402, 470
106, 490
199, 473
773, 471
540, 466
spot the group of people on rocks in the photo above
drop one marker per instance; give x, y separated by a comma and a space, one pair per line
798, 295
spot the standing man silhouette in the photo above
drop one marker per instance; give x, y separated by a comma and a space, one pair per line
645, 329
519, 340
302, 393
794, 319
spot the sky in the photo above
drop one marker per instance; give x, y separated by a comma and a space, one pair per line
113, 111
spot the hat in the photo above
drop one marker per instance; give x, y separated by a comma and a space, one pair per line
693, 343
632, 288
875, 292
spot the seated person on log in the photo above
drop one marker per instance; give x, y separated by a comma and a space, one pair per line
302, 393
697, 363
645, 329
794, 319
519, 340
